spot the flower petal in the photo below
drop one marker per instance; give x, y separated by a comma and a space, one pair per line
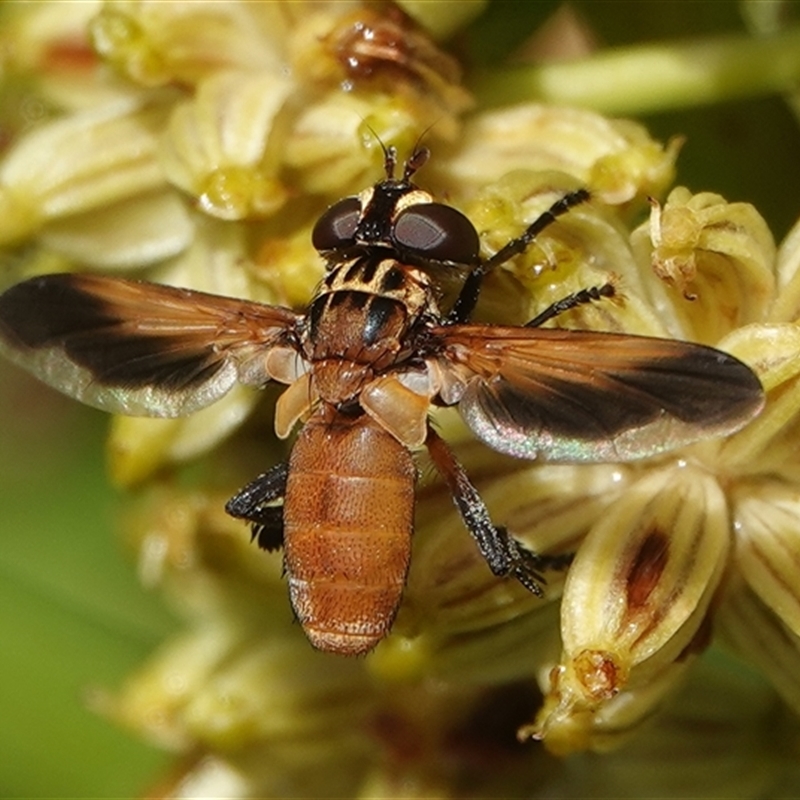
637, 594
768, 445
569, 728
218, 145
138, 446
615, 159
357, 47
720, 735
156, 43
135, 232
787, 304
46, 49
332, 146
78, 164
757, 634
648, 569
767, 519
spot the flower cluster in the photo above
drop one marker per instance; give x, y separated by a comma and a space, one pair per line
196, 144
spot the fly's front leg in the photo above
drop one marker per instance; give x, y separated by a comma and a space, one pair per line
574, 300
252, 504
504, 555
468, 296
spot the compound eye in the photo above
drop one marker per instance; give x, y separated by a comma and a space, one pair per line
438, 232
337, 226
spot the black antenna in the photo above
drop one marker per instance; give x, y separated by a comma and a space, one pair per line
416, 160
389, 160
419, 155
389, 153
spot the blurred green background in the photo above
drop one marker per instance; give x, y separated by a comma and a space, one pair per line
72, 615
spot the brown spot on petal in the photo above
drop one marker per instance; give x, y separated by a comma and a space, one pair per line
389, 46
69, 54
599, 673
372, 45
646, 569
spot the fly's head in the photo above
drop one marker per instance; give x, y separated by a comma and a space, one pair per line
397, 217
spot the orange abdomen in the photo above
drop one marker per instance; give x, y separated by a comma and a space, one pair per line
348, 518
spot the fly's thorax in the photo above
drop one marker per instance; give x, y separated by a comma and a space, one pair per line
359, 322
383, 276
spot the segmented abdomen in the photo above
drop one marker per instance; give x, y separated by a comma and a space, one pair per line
348, 518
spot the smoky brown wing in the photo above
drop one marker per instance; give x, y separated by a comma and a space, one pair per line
577, 396
136, 348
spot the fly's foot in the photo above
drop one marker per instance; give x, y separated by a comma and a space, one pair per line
528, 567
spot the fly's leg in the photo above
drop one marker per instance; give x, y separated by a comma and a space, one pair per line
574, 300
468, 296
504, 555
252, 504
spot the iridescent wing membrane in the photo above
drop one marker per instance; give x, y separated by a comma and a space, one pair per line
137, 348
565, 395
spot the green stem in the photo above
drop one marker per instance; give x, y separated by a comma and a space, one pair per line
654, 77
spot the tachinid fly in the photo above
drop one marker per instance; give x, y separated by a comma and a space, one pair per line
363, 364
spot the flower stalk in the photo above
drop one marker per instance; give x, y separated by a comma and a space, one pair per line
650, 78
